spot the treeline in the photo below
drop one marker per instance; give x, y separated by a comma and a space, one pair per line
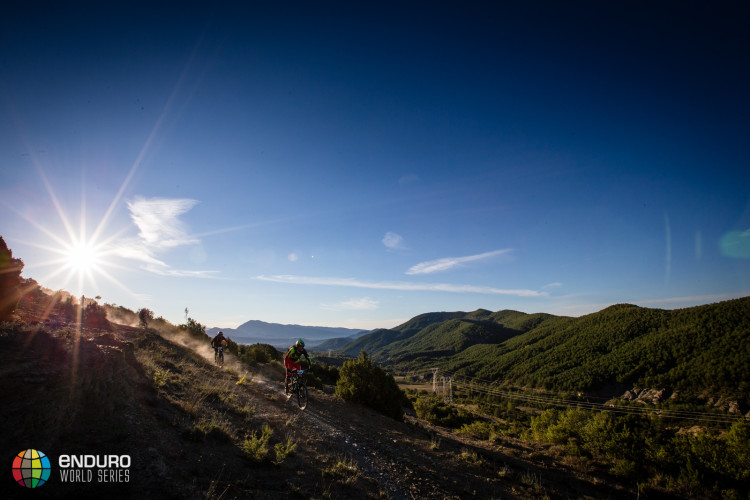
696, 349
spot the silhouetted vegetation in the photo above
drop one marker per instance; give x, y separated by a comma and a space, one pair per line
95, 316
195, 330
10, 281
144, 316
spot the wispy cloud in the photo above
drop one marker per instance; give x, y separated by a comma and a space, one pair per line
399, 285
160, 230
137, 250
158, 221
393, 241
363, 304
444, 264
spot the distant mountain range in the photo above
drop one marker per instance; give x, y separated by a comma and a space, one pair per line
278, 335
695, 349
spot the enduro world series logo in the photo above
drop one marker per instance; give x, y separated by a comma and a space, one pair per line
32, 468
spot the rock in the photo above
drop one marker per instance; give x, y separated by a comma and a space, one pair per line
629, 395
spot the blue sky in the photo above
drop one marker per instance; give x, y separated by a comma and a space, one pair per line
351, 164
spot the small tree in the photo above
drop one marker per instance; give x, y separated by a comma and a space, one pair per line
363, 382
145, 315
10, 281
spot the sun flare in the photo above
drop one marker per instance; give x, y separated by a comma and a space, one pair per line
83, 257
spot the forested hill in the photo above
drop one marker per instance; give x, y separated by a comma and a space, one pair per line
695, 349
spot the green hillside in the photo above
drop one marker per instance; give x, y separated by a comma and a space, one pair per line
374, 341
704, 348
448, 338
422, 321
695, 349
431, 336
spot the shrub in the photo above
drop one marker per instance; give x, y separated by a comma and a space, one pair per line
194, 329
478, 430
256, 446
432, 409
258, 353
326, 373
284, 449
144, 316
161, 377
95, 316
363, 382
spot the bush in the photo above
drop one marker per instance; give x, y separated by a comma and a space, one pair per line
256, 446
284, 449
478, 430
432, 409
144, 316
363, 382
95, 316
258, 353
327, 374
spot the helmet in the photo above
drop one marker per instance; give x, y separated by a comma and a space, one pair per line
301, 343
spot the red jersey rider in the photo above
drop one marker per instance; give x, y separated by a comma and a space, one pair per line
292, 359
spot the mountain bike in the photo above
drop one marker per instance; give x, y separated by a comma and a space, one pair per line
219, 356
297, 387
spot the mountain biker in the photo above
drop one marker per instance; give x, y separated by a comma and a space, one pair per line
219, 340
292, 359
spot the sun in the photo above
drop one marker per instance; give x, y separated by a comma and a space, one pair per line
83, 257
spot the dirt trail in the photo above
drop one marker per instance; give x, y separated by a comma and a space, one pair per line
397, 455
412, 459
326, 419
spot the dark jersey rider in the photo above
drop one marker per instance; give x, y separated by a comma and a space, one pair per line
292, 359
219, 340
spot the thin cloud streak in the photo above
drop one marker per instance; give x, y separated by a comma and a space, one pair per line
440, 265
363, 304
180, 273
398, 285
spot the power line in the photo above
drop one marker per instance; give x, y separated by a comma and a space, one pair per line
490, 389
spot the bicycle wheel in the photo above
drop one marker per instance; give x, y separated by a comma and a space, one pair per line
221, 359
302, 396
